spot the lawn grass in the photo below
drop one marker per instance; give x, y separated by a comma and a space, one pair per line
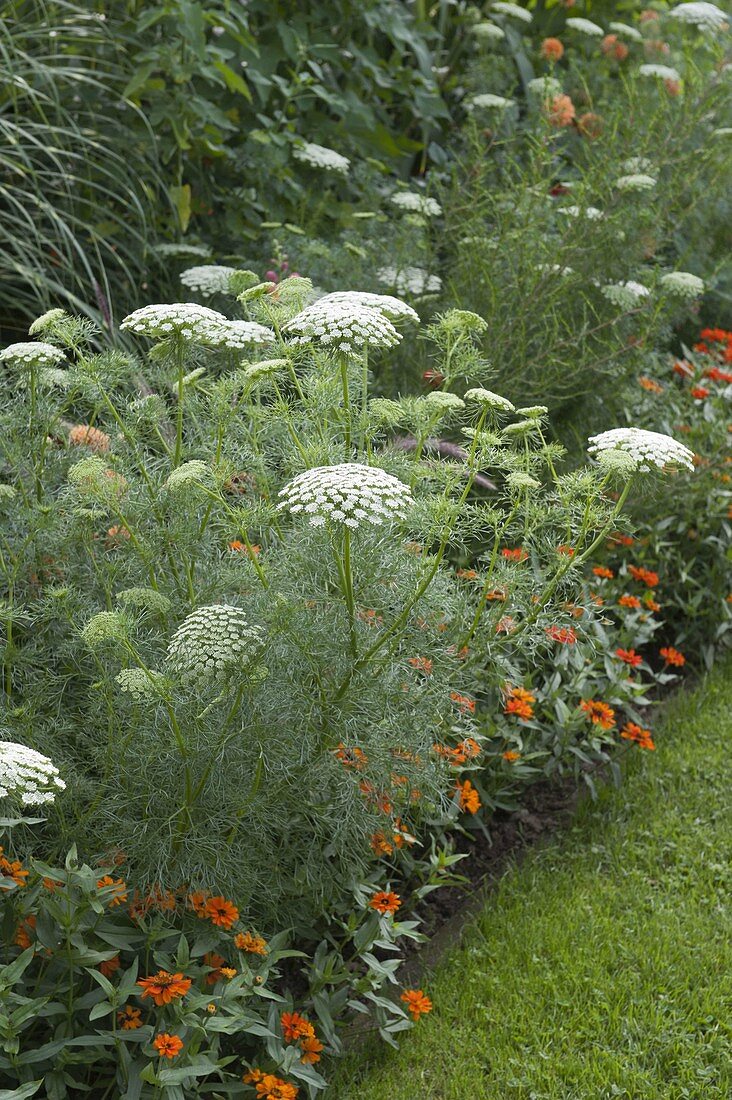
602, 966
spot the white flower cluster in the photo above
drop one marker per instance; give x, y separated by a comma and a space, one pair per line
490, 400
27, 775
198, 324
488, 32
647, 449
590, 212
393, 308
708, 17
487, 100
683, 284
585, 26
638, 165
506, 8
417, 204
208, 279
140, 684
544, 86
626, 295
410, 280
211, 644
636, 182
350, 494
555, 269
630, 32
319, 156
661, 72
345, 326
31, 354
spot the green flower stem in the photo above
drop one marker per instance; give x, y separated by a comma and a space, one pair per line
240, 531
346, 406
364, 396
345, 573
466, 639
179, 356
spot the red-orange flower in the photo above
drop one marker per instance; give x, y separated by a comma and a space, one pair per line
351, 757
672, 656
117, 889
612, 47
600, 714
511, 757
630, 657
551, 49
417, 1002
269, 1087
385, 902
559, 110
700, 392
562, 634
633, 732
603, 571
629, 601
462, 702
215, 962
129, 1018
167, 1046
295, 1027
254, 945
469, 798
647, 576
519, 702
107, 967
650, 384
164, 987
311, 1048
422, 664
12, 869
221, 912
517, 554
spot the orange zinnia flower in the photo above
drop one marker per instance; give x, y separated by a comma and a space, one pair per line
629, 601
562, 634
12, 869
23, 932
650, 384
351, 757
466, 574
221, 912
462, 701
167, 1046
603, 571
511, 757
385, 902
270, 1087
630, 657
551, 49
164, 987
519, 702
518, 554
118, 889
469, 798
380, 846
621, 540
632, 732
129, 1019
311, 1050
107, 967
647, 576
497, 594
295, 1027
600, 714
418, 1003
700, 392
559, 110
197, 902
215, 962
254, 945
672, 656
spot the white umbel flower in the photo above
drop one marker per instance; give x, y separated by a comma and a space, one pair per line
240, 334
349, 494
628, 32
189, 320
489, 101
638, 166
590, 212
211, 645
27, 776
705, 16
414, 203
393, 308
208, 279
683, 284
410, 280
512, 10
140, 684
319, 156
31, 354
585, 26
626, 295
647, 449
660, 72
636, 182
545, 86
489, 400
345, 326
488, 32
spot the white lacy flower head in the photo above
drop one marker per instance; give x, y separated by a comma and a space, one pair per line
47, 320
722, 131
319, 156
513, 10
105, 626
349, 494
410, 280
585, 26
208, 279
393, 308
630, 32
27, 776
555, 269
635, 182
197, 324
488, 32
544, 86
211, 645
638, 165
416, 204
626, 295
31, 354
647, 449
590, 212
708, 17
660, 72
141, 684
344, 326
182, 249
683, 284
489, 400
487, 100
442, 403
240, 334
